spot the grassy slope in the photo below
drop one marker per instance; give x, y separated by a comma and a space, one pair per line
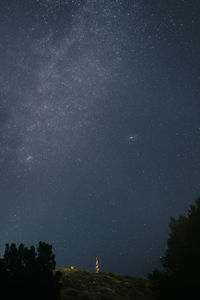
85, 285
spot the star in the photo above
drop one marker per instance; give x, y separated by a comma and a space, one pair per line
132, 138
29, 158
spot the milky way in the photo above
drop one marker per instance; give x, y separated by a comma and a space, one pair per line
68, 82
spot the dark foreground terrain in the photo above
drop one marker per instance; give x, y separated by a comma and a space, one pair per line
85, 285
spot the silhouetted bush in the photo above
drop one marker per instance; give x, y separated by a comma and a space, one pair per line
28, 274
181, 279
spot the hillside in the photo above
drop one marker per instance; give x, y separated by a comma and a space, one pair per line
85, 285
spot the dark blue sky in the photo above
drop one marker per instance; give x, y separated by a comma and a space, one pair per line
99, 127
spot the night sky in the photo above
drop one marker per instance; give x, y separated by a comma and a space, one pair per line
99, 127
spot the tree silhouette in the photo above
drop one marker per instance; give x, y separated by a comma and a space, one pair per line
181, 278
46, 259
27, 274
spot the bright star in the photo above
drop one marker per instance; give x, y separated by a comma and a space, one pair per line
29, 158
132, 138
